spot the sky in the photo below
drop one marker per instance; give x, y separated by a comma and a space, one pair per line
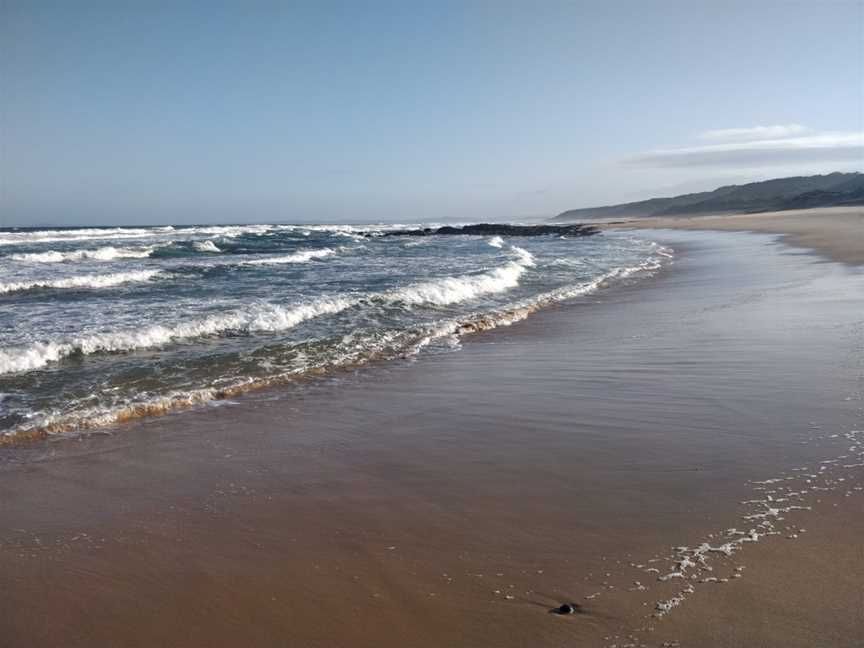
191, 112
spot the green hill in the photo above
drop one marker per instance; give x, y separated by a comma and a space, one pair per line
801, 192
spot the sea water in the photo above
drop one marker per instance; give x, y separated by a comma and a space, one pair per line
98, 325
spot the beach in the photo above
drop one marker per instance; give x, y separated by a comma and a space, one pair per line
446, 325
677, 457
836, 232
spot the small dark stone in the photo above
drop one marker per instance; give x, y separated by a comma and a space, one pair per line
566, 608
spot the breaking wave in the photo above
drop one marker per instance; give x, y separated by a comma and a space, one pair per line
82, 281
297, 257
92, 234
34, 237
265, 317
206, 246
108, 253
452, 290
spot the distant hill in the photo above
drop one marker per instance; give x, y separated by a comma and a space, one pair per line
801, 192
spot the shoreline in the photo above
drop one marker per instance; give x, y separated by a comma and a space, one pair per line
836, 233
456, 499
98, 420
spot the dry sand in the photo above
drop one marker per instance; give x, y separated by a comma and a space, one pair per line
453, 500
836, 232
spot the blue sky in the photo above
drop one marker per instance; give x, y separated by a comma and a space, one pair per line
328, 111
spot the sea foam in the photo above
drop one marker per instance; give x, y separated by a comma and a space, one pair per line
108, 253
264, 317
206, 246
298, 257
452, 290
81, 281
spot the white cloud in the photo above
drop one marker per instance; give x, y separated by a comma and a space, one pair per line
805, 149
754, 133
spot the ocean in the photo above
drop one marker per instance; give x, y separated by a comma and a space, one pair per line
101, 325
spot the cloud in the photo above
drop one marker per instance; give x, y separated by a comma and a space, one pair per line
805, 149
754, 133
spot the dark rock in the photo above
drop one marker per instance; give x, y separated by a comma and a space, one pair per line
497, 229
566, 608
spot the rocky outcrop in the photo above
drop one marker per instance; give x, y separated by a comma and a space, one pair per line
495, 229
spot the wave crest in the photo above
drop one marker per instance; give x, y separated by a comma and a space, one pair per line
81, 281
108, 253
266, 317
298, 257
206, 246
452, 290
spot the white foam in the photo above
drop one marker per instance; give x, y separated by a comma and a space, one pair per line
386, 344
465, 288
108, 253
50, 236
523, 256
264, 317
82, 281
453, 290
35, 237
496, 241
664, 607
206, 246
298, 257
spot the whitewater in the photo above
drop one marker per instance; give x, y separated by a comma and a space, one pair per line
98, 325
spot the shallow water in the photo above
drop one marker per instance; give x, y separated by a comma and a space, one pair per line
103, 324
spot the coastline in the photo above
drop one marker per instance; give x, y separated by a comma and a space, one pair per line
834, 232
821, 600
455, 499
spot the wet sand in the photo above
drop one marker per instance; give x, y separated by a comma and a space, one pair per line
454, 499
795, 593
836, 232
